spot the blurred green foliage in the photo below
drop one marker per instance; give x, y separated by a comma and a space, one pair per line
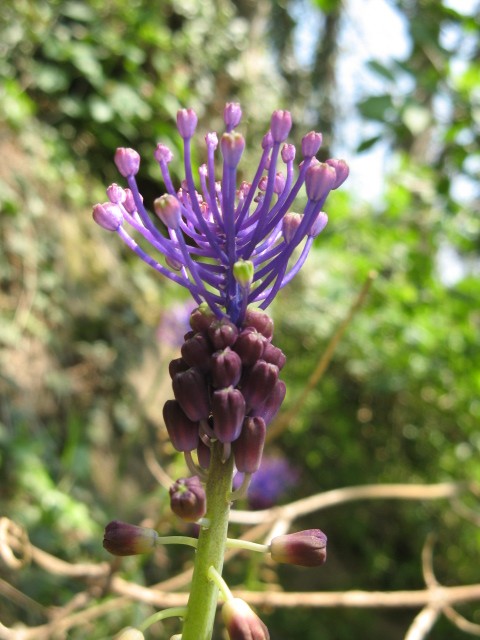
83, 362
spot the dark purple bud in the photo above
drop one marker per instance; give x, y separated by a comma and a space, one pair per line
222, 333
304, 548
169, 210
311, 143
127, 161
202, 317
274, 355
182, 431
280, 125
204, 455
123, 539
241, 622
191, 392
232, 114
228, 410
258, 382
318, 224
196, 351
186, 123
249, 345
232, 146
260, 321
248, 447
188, 499
116, 194
288, 153
319, 180
290, 223
108, 215
225, 368
162, 153
341, 170
269, 409
177, 365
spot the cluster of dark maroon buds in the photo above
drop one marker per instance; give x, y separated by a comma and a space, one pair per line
226, 388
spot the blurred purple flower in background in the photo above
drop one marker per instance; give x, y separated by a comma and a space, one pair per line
273, 480
175, 323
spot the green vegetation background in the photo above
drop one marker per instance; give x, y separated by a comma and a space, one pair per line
83, 340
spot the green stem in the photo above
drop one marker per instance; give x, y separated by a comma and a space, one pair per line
162, 615
202, 603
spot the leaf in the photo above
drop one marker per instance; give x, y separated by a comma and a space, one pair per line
376, 107
368, 143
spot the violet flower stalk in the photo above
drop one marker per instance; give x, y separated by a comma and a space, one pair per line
233, 247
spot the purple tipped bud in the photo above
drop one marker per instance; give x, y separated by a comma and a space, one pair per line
222, 333
162, 153
129, 203
280, 125
269, 409
279, 183
108, 215
202, 317
260, 321
196, 351
228, 410
241, 622
211, 140
311, 143
249, 345
288, 153
204, 455
182, 431
291, 222
318, 224
186, 122
232, 146
319, 180
274, 355
177, 365
248, 447
304, 548
341, 169
169, 210
267, 140
191, 392
226, 368
188, 499
258, 383
127, 161
123, 539
232, 114
116, 194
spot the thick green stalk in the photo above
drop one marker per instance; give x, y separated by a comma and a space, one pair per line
202, 603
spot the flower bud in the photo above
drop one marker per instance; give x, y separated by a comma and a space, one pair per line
127, 161
258, 382
196, 351
241, 622
226, 368
243, 271
108, 215
182, 431
249, 345
232, 114
290, 223
248, 447
341, 169
162, 153
202, 317
177, 365
319, 224
232, 146
123, 539
304, 548
129, 633
169, 210
280, 125
191, 392
319, 180
269, 409
260, 321
188, 499
274, 355
129, 203
222, 333
228, 410
311, 143
116, 194
186, 123
288, 153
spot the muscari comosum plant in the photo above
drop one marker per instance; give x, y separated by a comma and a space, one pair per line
233, 247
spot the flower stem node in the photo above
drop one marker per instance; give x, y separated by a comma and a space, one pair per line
123, 539
127, 161
304, 548
188, 499
108, 215
169, 210
241, 622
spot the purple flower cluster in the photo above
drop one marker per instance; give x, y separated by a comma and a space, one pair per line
228, 245
227, 388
